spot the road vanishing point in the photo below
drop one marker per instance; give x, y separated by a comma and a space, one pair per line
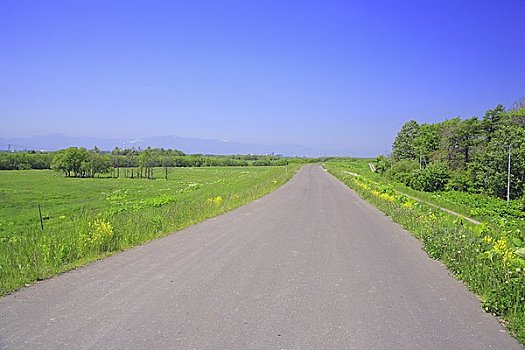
309, 266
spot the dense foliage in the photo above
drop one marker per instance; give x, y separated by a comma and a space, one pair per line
129, 162
80, 162
25, 160
462, 154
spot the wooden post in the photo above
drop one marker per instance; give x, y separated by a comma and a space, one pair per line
41, 221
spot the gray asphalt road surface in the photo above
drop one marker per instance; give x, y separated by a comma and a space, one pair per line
310, 266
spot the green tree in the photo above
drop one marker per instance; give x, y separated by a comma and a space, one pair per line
459, 140
145, 163
115, 160
490, 169
403, 147
469, 138
427, 141
71, 161
492, 120
100, 164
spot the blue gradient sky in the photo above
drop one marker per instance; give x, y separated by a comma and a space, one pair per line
325, 74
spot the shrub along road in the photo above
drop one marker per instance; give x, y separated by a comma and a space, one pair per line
310, 266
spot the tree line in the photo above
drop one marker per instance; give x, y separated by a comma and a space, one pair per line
469, 155
129, 162
25, 160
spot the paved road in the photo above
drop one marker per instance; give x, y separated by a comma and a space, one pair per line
310, 266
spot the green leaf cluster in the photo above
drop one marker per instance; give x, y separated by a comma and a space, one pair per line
462, 154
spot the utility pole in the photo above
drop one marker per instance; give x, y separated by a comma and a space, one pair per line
508, 177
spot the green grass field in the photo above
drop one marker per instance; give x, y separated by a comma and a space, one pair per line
85, 219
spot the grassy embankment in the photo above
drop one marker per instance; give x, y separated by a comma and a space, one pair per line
483, 256
86, 219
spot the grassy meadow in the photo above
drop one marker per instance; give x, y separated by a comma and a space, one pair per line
88, 218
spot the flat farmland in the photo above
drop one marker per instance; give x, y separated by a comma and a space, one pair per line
85, 219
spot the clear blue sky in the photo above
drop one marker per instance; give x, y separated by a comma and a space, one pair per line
325, 74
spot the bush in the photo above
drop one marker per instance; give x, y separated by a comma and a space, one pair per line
382, 164
402, 171
262, 162
433, 178
460, 181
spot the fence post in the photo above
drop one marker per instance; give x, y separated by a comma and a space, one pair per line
40, 214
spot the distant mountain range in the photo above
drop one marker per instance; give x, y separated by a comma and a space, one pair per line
188, 145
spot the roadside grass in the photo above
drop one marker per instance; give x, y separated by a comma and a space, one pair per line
86, 219
477, 206
360, 166
483, 256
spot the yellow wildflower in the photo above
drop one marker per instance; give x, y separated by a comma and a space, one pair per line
488, 239
214, 201
387, 197
100, 231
